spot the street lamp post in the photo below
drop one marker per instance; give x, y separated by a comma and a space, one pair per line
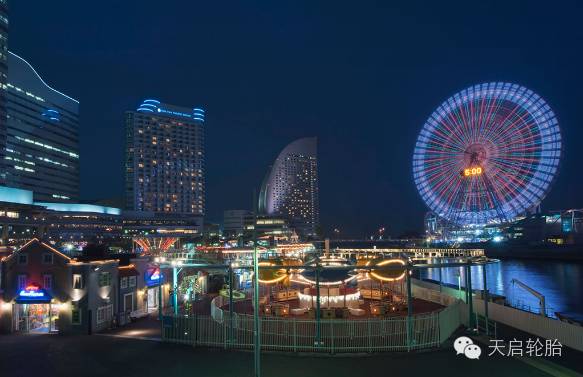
470, 296
485, 297
231, 303
409, 309
175, 291
160, 294
256, 324
318, 337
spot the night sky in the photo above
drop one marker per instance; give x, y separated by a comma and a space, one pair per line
362, 76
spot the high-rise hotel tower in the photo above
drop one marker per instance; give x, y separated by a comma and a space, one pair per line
165, 159
290, 188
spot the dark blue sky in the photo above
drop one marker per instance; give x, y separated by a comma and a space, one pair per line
362, 76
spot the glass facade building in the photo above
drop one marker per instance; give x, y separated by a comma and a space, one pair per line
165, 159
42, 136
3, 82
290, 188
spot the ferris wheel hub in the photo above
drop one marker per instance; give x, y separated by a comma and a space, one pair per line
476, 154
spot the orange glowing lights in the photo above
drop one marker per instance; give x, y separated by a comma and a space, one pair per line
472, 171
390, 275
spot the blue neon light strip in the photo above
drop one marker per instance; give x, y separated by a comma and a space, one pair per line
13, 195
76, 207
152, 105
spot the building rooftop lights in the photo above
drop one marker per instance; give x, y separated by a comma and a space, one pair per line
155, 106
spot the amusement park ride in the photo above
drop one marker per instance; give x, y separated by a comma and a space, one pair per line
150, 245
487, 155
340, 283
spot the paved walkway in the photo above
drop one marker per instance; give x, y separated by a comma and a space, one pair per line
88, 356
147, 328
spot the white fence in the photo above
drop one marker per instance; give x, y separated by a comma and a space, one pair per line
569, 335
301, 335
427, 291
544, 327
335, 335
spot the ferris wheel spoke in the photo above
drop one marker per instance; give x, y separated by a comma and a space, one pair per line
450, 137
455, 137
494, 130
487, 119
515, 127
518, 166
528, 141
519, 188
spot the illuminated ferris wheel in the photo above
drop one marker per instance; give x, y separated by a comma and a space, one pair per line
488, 154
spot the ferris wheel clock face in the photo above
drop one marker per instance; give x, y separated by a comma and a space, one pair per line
487, 154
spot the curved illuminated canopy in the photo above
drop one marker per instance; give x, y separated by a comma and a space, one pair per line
271, 276
328, 276
487, 154
388, 275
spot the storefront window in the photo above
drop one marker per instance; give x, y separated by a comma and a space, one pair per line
36, 318
124, 282
132, 281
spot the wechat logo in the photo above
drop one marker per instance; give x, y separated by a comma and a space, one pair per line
466, 346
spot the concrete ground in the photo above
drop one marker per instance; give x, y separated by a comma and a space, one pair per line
106, 355
143, 328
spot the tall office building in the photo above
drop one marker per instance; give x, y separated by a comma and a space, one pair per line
234, 222
42, 139
165, 159
290, 188
3, 82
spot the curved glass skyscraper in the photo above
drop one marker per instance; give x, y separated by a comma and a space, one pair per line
3, 81
42, 136
290, 188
